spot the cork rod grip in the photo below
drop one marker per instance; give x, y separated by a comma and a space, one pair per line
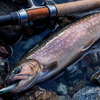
78, 6
38, 13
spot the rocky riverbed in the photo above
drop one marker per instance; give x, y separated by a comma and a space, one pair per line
73, 83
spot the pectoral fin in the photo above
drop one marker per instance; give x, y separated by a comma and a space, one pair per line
47, 70
88, 45
50, 66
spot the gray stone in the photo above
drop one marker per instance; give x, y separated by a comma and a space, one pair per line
87, 93
62, 88
81, 84
94, 58
89, 72
64, 97
3, 68
75, 81
96, 68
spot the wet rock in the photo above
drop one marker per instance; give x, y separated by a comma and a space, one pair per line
28, 31
65, 97
75, 81
71, 91
33, 28
71, 69
81, 84
3, 52
11, 34
62, 80
62, 89
98, 53
94, 58
85, 61
89, 72
50, 85
96, 77
1, 83
37, 93
3, 68
65, 20
6, 6
87, 93
76, 74
73, 74
20, 2
96, 68
1, 99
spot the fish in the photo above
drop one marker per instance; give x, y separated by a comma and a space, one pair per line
54, 53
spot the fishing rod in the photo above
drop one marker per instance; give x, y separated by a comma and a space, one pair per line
48, 11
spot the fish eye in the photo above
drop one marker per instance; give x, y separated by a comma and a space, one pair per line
17, 70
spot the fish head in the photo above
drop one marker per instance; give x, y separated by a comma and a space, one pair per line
25, 74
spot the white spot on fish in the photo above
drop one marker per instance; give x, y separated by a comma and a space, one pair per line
88, 33
65, 46
51, 51
74, 40
57, 40
87, 26
72, 35
51, 46
62, 43
81, 22
59, 45
78, 35
84, 28
67, 32
95, 14
55, 48
83, 33
77, 23
91, 16
93, 23
91, 30
97, 21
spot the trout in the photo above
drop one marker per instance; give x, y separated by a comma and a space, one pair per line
54, 53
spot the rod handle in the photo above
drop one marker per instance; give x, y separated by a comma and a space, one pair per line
38, 13
77, 6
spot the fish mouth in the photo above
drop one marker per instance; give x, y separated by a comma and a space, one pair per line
11, 82
16, 80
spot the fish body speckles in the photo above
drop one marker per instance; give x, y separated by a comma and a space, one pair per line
58, 51
72, 37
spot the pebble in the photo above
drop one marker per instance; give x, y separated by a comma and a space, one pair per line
87, 93
71, 91
76, 74
37, 93
62, 88
3, 68
65, 97
81, 84
96, 68
94, 58
89, 72
71, 69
